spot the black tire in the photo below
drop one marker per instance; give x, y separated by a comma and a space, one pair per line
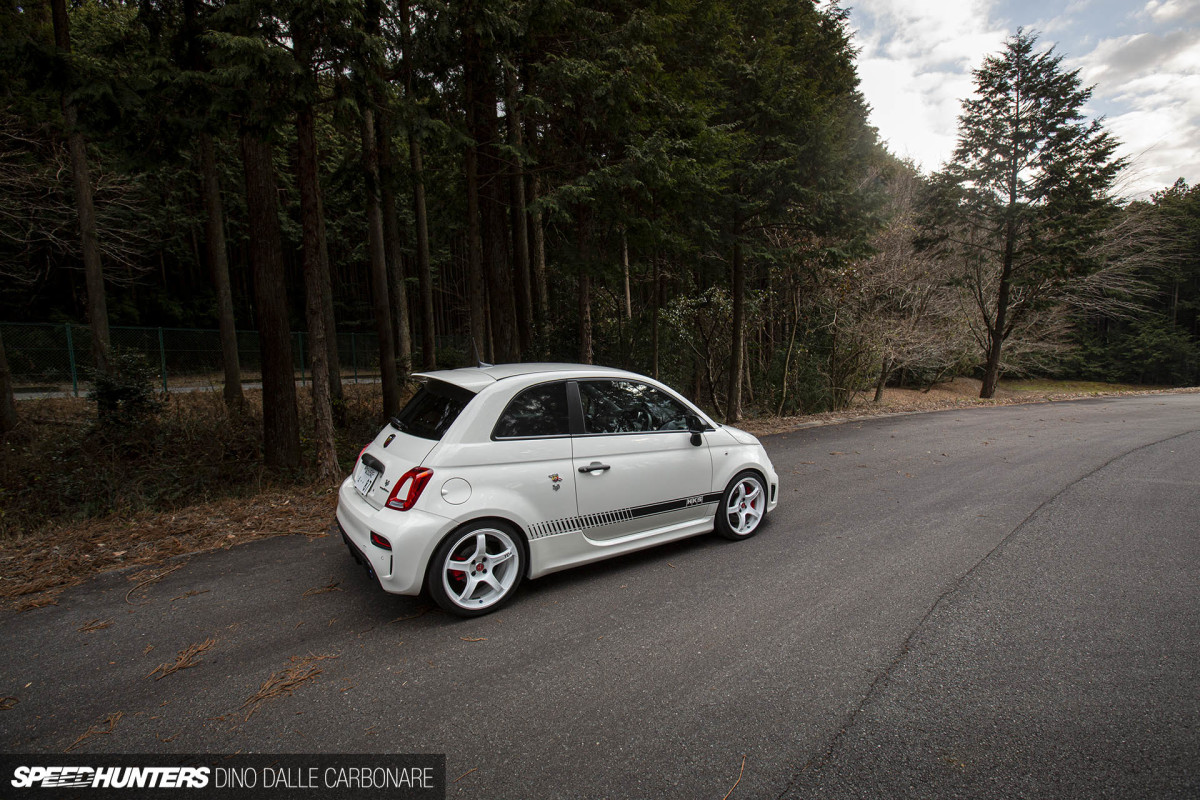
493, 567
745, 494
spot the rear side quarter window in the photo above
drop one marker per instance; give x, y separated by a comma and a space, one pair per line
537, 411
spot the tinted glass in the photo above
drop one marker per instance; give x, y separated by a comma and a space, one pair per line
537, 411
629, 407
433, 409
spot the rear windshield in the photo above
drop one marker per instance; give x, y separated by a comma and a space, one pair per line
432, 410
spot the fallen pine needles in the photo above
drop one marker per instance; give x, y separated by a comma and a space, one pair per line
96, 730
332, 587
285, 681
153, 579
187, 658
95, 625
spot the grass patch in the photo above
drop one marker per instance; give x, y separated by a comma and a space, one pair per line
1048, 386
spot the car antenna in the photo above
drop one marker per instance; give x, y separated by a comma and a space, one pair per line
475, 353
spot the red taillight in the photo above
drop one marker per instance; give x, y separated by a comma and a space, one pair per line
360, 452
379, 541
408, 489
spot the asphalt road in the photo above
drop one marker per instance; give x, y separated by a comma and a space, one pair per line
993, 602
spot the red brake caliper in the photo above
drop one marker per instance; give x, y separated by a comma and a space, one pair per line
458, 575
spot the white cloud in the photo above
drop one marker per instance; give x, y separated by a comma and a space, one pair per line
1150, 86
915, 66
1115, 61
1172, 11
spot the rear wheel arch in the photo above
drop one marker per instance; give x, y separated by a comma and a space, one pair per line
455, 545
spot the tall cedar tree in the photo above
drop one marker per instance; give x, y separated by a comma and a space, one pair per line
257, 69
216, 252
303, 24
417, 168
380, 297
93, 270
1026, 190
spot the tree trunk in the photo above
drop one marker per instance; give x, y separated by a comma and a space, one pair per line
479, 328
585, 291
218, 267
336, 396
97, 306
393, 250
585, 318
480, 343
378, 267
996, 332
657, 293
625, 271
537, 234
281, 426
499, 273
520, 229
8, 408
537, 257
733, 410
884, 371
424, 270
316, 286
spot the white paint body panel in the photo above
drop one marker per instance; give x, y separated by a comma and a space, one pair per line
566, 518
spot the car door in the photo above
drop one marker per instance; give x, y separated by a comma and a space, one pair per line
635, 467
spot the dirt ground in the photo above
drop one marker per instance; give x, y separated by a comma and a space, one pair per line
35, 569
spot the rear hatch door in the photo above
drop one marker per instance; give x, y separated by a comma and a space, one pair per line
408, 439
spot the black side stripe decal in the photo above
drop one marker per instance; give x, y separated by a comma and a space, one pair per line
675, 505
570, 524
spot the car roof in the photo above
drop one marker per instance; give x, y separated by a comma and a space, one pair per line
476, 378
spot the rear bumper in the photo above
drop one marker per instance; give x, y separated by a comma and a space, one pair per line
413, 535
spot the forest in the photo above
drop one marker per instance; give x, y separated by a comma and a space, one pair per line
686, 188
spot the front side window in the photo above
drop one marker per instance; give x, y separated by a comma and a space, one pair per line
629, 407
433, 409
537, 411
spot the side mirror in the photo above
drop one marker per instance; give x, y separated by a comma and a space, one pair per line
696, 427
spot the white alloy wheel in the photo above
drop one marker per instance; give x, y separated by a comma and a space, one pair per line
743, 507
476, 569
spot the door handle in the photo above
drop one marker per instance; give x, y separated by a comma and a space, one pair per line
595, 466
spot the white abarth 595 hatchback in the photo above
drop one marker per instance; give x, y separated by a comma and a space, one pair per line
498, 473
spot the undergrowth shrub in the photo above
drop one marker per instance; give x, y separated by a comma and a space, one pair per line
67, 466
125, 395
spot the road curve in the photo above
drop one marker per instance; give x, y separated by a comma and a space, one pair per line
979, 602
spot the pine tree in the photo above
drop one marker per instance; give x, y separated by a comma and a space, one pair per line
1027, 190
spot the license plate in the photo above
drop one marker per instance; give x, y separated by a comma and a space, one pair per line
365, 480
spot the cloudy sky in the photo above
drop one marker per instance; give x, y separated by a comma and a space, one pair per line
1142, 56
